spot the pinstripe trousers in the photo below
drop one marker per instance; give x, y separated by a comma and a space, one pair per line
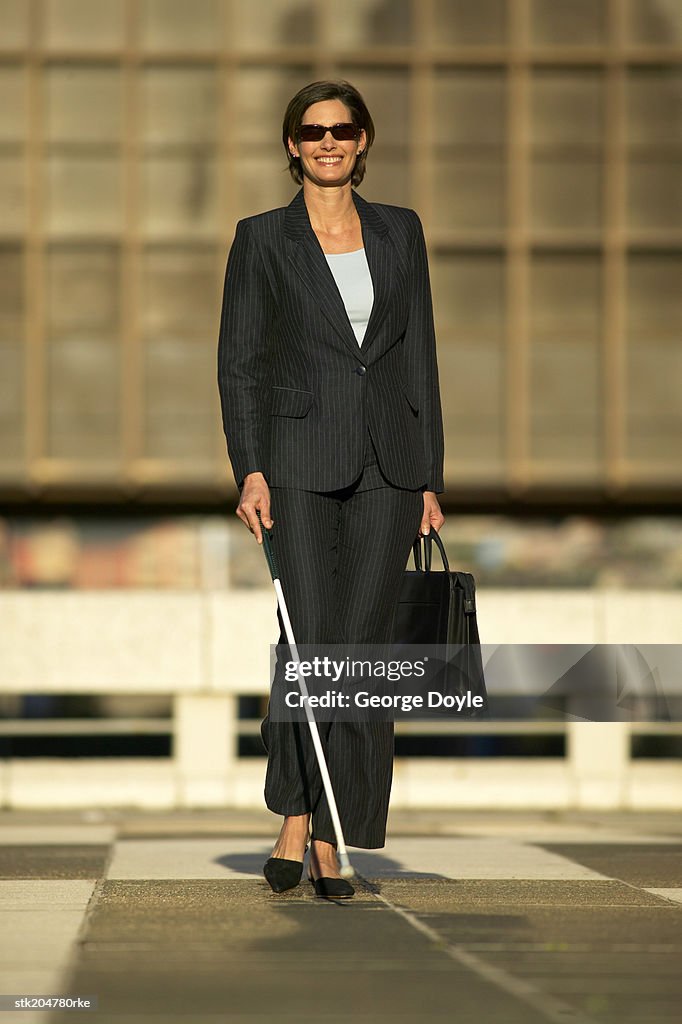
341, 555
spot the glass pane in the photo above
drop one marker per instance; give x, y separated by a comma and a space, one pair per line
83, 194
14, 21
470, 109
461, 23
263, 183
13, 107
83, 302
11, 401
468, 150
654, 175
12, 194
566, 194
469, 195
578, 23
179, 25
179, 410
654, 98
387, 179
277, 23
468, 293
82, 24
565, 327
474, 410
11, 353
11, 294
83, 396
178, 290
654, 365
180, 195
260, 98
654, 295
468, 298
567, 108
655, 22
655, 195
83, 104
368, 23
179, 105
566, 131
83, 290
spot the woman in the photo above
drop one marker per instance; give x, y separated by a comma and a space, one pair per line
331, 409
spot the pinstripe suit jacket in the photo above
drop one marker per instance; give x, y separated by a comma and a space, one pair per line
297, 391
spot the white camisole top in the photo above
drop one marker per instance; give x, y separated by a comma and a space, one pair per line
354, 281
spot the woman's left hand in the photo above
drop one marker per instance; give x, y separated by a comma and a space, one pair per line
432, 515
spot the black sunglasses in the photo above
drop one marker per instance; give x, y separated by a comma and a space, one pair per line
316, 132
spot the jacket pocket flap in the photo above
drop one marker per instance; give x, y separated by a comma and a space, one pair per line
290, 401
408, 395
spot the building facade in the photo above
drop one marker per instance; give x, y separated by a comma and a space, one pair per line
539, 141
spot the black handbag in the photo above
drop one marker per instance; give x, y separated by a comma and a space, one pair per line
439, 608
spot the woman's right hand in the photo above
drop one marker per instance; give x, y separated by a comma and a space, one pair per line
255, 495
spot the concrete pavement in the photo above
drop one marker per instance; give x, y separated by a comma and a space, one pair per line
521, 918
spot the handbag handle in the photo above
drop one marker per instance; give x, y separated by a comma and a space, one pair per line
462, 579
416, 551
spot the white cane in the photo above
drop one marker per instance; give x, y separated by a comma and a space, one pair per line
346, 866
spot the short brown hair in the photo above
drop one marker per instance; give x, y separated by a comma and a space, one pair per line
316, 92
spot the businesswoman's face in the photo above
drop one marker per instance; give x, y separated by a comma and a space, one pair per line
328, 161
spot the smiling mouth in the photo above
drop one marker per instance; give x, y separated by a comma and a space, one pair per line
329, 159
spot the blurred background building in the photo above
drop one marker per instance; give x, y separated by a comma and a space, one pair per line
539, 140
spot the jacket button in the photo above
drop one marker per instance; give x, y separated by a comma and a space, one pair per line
361, 370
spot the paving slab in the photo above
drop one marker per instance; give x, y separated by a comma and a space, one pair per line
259, 951
644, 864
41, 921
516, 918
13, 833
53, 860
439, 857
667, 894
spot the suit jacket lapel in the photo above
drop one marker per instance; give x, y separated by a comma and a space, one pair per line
311, 264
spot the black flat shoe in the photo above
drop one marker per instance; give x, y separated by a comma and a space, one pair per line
283, 874
335, 888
